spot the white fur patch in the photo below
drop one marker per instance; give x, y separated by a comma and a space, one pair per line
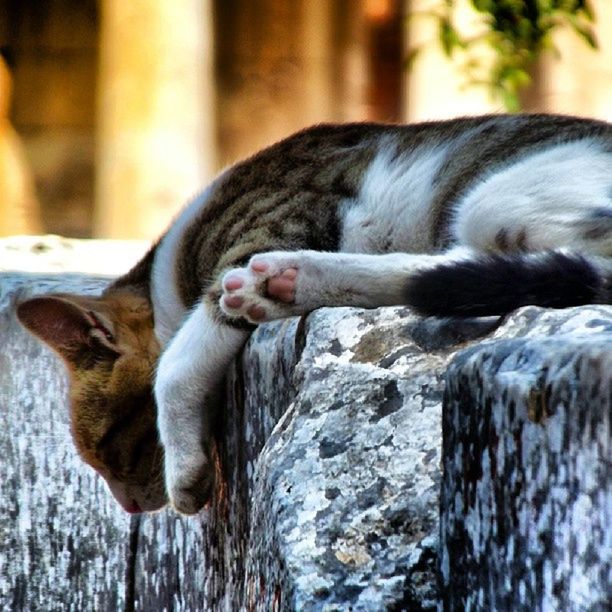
392, 209
167, 305
546, 196
331, 279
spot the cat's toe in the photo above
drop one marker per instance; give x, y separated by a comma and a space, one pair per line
242, 295
256, 313
262, 291
232, 282
233, 302
277, 274
267, 265
192, 491
236, 285
237, 281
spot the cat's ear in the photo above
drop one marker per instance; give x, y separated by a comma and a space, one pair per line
71, 326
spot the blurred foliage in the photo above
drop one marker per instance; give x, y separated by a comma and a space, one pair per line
517, 31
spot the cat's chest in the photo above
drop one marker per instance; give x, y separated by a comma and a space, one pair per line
168, 307
168, 310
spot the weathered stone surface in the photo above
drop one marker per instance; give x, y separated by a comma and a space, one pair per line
340, 509
329, 467
50, 255
62, 538
526, 497
344, 502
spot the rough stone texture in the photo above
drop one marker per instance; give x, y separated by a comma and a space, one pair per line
526, 498
340, 509
329, 467
344, 507
62, 538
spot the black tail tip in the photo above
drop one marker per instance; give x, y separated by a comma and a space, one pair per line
497, 284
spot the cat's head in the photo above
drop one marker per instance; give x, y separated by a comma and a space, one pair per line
110, 349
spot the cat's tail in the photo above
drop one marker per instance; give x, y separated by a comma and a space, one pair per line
496, 284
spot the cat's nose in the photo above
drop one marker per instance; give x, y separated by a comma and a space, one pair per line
132, 507
122, 495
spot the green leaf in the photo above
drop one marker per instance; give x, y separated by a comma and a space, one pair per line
448, 36
511, 101
518, 78
584, 31
515, 32
484, 6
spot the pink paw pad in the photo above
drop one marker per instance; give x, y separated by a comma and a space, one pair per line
260, 267
262, 291
256, 313
282, 287
232, 301
232, 283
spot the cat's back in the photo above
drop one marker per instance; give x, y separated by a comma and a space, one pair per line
329, 161
288, 195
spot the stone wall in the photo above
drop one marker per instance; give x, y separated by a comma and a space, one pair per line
526, 497
331, 447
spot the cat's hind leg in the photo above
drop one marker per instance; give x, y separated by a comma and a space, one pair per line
558, 198
281, 284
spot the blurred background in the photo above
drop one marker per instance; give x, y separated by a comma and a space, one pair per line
114, 112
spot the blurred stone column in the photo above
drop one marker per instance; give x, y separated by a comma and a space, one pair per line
155, 113
435, 86
577, 79
19, 210
275, 70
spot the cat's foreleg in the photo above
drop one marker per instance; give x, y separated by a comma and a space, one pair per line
280, 284
188, 376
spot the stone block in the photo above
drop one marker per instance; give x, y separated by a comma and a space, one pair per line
526, 501
329, 463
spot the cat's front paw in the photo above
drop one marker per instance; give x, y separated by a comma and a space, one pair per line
190, 485
264, 290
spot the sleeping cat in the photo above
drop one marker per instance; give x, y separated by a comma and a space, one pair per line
461, 217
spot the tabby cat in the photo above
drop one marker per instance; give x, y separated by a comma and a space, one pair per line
471, 216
